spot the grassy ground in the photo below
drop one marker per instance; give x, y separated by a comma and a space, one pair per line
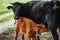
6, 19
10, 28
3, 8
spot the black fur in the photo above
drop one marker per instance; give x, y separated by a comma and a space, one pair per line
23, 8
48, 12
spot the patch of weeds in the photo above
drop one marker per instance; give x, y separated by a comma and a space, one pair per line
3, 11
10, 28
6, 18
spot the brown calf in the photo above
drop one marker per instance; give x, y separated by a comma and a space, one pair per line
28, 27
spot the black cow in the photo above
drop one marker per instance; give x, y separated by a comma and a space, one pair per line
25, 7
47, 12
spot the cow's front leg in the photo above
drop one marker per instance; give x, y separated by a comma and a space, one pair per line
54, 33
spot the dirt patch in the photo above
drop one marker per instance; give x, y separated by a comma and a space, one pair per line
9, 35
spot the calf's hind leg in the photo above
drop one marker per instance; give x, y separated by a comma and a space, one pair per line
22, 36
28, 37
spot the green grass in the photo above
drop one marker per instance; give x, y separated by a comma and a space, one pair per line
3, 11
43, 33
11, 27
6, 18
5, 3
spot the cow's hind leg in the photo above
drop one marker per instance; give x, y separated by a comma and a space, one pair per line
51, 20
53, 28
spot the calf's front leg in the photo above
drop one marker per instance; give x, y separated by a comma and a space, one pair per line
16, 32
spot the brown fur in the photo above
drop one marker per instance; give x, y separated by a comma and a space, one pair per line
28, 27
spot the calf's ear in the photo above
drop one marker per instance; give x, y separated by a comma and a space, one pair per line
10, 7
